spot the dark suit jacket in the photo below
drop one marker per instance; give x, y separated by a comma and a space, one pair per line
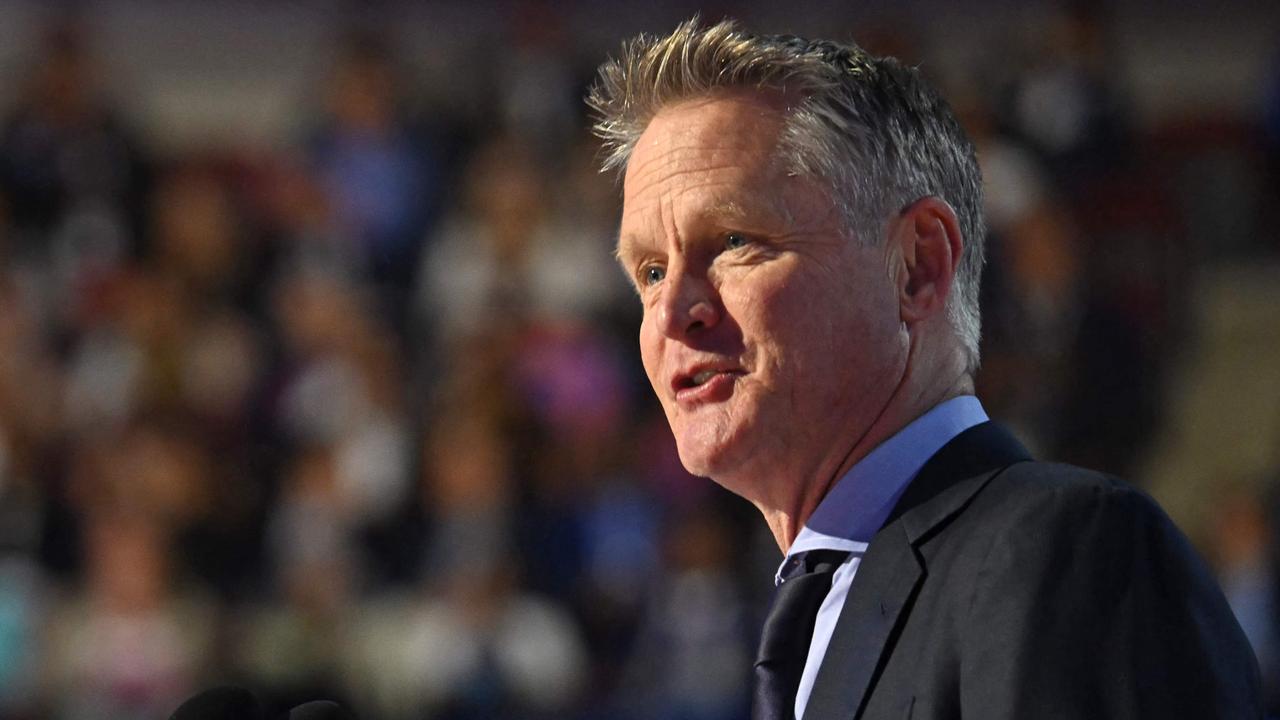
1005, 588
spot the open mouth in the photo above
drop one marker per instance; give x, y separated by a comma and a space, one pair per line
690, 381
699, 378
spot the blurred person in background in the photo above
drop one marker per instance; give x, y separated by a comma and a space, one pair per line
380, 172
73, 175
468, 642
1063, 99
514, 252
1094, 301
289, 641
692, 651
26, 426
338, 392
803, 225
133, 645
476, 277
1030, 290
536, 79
1243, 554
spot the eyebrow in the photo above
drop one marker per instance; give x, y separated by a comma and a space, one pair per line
771, 212
725, 212
623, 248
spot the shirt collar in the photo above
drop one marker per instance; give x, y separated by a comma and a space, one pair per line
856, 507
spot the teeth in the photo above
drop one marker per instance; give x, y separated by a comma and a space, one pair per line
703, 376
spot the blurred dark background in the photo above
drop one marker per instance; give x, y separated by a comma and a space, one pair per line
316, 374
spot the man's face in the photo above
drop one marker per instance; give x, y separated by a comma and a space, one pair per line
772, 339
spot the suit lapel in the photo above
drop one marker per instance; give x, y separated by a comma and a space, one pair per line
891, 570
887, 577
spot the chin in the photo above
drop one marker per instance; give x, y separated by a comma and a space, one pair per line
694, 459
717, 460
718, 442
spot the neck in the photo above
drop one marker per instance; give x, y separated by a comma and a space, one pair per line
915, 394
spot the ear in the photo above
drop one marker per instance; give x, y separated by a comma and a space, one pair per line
927, 239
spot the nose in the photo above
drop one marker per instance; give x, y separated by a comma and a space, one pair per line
689, 306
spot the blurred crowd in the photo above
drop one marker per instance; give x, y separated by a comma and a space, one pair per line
361, 417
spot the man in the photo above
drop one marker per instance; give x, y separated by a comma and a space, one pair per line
803, 224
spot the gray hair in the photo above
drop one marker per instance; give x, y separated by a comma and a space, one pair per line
872, 128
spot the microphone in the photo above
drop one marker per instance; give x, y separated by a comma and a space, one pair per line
218, 703
320, 710
236, 703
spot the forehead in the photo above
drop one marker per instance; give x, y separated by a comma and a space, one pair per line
710, 154
727, 120
723, 131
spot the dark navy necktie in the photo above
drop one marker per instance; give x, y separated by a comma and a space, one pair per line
784, 642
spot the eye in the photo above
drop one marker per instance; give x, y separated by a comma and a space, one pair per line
652, 274
735, 240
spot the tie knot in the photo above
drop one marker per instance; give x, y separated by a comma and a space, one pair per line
813, 561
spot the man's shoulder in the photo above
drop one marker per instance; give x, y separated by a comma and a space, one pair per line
1048, 485
1039, 476
1080, 532
1045, 503
1082, 572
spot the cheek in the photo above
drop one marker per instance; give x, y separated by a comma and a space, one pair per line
651, 352
815, 326
789, 320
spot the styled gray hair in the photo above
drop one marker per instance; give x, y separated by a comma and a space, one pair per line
872, 128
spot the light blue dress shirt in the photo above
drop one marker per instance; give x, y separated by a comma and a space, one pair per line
858, 505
